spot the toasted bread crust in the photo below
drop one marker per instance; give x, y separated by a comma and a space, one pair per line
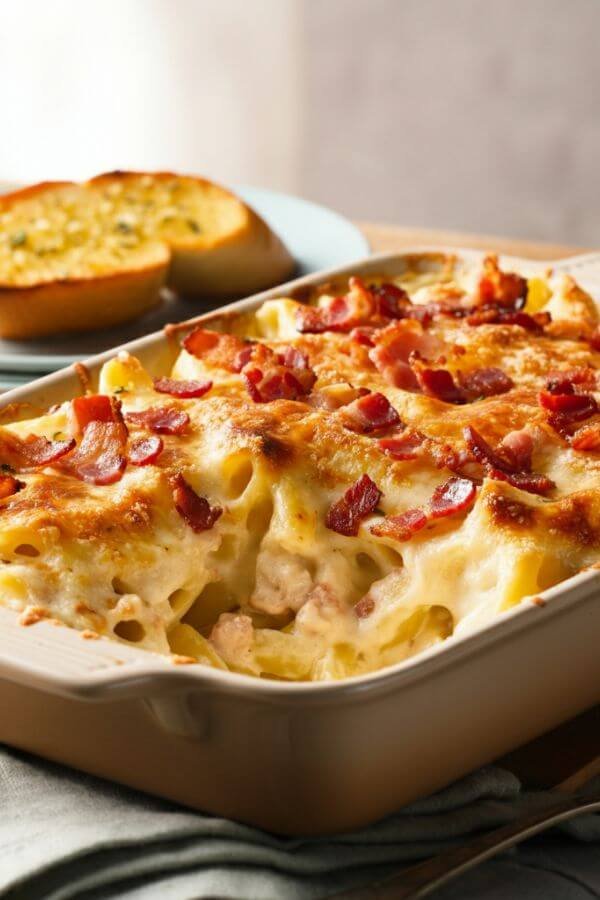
236, 253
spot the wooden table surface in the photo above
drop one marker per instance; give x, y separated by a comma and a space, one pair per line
554, 756
387, 238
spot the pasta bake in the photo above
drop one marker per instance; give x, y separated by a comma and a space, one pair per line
321, 487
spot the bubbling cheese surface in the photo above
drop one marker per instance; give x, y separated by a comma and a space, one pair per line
295, 527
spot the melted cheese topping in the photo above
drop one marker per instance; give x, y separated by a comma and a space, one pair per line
270, 589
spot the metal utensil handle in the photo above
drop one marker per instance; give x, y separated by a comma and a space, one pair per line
420, 880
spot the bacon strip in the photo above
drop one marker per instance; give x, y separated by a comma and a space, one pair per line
503, 464
587, 438
160, 419
404, 446
440, 384
453, 496
218, 350
31, 453
577, 406
194, 509
9, 486
401, 527
99, 458
346, 514
145, 451
93, 408
373, 412
498, 288
183, 389
486, 382
392, 302
526, 481
494, 316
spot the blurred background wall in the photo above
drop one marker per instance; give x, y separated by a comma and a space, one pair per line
466, 114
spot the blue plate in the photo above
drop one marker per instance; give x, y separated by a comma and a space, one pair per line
317, 238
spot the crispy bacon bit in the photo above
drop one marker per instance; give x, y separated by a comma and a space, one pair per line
517, 447
99, 458
93, 408
503, 464
526, 481
363, 335
494, 316
394, 348
145, 451
33, 452
392, 302
278, 383
373, 412
440, 384
594, 339
576, 406
292, 358
484, 453
486, 382
160, 419
401, 527
587, 438
183, 389
404, 446
195, 510
346, 514
565, 382
365, 607
453, 496
498, 288
9, 486
336, 316
219, 350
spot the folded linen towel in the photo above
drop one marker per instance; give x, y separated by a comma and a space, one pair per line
64, 835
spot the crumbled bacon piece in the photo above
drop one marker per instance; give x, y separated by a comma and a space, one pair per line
565, 382
498, 288
160, 419
372, 412
494, 316
594, 339
453, 496
292, 358
9, 486
194, 509
145, 451
32, 452
94, 408
276, 384
517, 447
396, 345
363, 335
587, 438
392, 302
487, 382
183, 389
526, 481
504, 464
215, 349
404, 446
346, 514
401, 527
99, 458
484, 453
575, 406
440, 384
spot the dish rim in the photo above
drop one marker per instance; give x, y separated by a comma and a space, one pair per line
145, 668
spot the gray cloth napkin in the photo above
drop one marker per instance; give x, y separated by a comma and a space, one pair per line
65, 835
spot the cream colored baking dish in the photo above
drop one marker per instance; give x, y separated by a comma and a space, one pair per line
299, 758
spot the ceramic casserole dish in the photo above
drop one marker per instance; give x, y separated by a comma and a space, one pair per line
300, 758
